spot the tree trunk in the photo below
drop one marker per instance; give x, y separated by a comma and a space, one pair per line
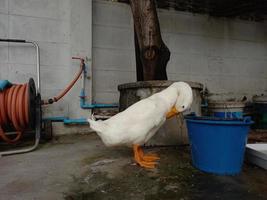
152, 55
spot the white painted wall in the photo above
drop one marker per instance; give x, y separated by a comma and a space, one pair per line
228, 56
225, 55
62, 28
113, 49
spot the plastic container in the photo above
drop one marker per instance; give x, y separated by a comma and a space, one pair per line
217, 144
257, 154
226, 109
260, 107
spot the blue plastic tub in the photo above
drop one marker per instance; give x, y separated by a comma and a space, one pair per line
218, 145
228, 114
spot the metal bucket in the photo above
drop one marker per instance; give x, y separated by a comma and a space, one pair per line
226, 109
174, 131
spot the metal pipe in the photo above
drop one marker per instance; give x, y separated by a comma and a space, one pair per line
38, 88
37, 57
12, 40
37, 140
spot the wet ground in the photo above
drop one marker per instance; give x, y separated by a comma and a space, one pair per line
80, 167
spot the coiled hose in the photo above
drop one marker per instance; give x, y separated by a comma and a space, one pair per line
14, 110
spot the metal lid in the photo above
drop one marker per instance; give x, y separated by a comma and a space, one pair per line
260, 99
226, 104
157, 83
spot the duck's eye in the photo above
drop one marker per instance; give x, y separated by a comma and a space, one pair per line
182, 106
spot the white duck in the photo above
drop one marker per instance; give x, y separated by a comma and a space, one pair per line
139, 122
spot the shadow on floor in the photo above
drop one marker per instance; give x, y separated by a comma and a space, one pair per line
80, 167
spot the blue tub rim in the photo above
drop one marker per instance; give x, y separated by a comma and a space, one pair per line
218, 121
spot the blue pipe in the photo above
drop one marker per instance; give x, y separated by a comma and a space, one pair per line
81, 121
85, 105
66, 120
54, 119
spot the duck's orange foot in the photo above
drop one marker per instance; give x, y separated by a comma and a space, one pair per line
146, 161
151, 157
146, 164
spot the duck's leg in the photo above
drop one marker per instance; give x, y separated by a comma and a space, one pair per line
172, 113
139, 158
148, 156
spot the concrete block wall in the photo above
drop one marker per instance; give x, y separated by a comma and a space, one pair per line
62, 28
227, 56
113, 49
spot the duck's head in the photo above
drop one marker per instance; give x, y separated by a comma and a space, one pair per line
184, 97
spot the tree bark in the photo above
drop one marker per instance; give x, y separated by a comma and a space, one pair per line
152, 55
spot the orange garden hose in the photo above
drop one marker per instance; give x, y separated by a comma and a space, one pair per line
67, 89
20, 108
14, 109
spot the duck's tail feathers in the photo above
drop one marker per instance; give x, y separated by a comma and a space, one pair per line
97, 126
93, 117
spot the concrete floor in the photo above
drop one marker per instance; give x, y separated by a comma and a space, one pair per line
80, 167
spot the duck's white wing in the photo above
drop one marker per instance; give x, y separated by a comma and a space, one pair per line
134, 124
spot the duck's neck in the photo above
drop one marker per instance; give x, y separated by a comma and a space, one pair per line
170, 96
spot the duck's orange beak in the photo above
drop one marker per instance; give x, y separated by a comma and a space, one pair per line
172, 113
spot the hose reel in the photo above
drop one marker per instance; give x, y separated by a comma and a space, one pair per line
20, 107
17, 110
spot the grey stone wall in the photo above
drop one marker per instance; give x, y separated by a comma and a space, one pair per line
62, 28
227, 56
